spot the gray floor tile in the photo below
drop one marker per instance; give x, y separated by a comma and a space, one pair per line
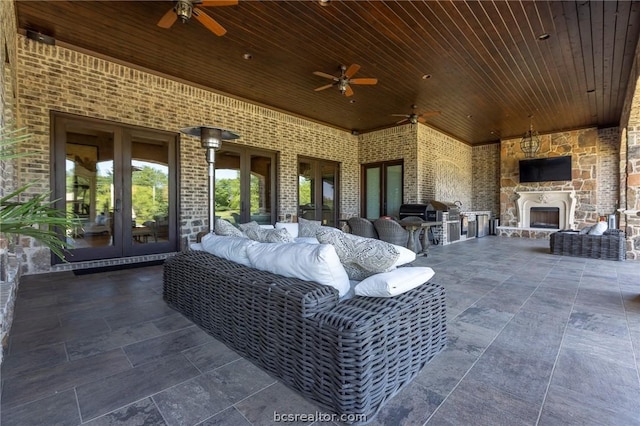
58, 409
506, 329
167, 344
47, 381
269, 406
570, 408
204, 396
143, 412
601, 383
228, 417
108, 394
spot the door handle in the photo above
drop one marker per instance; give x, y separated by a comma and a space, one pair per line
117, 206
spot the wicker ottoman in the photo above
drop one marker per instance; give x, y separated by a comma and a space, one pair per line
609, 246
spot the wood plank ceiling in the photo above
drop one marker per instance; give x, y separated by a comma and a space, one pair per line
481, 63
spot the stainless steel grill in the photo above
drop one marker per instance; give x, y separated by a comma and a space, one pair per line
436, 208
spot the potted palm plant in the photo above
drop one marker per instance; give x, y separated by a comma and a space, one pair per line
34, 216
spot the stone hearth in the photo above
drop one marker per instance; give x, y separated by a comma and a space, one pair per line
565, 201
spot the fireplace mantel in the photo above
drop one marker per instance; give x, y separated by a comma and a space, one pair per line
565, 201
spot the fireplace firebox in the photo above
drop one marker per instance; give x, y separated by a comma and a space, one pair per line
544, 217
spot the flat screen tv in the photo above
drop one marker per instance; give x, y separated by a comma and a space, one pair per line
545, 169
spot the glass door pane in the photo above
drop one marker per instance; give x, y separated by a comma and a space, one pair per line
149, 174
306, 202
373, 201
393, 190
260, 188
89, 188
228, 195
328, 195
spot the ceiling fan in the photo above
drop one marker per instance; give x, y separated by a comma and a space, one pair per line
185, 9
414, 118
345, 79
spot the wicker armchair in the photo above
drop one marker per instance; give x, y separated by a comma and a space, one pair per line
362, 227
392, 232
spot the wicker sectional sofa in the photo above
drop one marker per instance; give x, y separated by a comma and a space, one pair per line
609, 246
348, 356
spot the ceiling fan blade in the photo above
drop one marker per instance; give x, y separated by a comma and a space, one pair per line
325, 75
212, 3
323, 87
402, 121
363, 81
348, 91
168, 19
351, 70
206, 20
400, 115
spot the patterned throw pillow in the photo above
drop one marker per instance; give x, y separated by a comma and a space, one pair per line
224, 227
269, 235
245, 226
308, 228
360, 256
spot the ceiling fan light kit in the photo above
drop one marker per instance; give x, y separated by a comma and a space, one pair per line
345, 80
414, 118
185, 9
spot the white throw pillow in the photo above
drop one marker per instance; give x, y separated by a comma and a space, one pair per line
227, 247
406, 256
392, 283
224, 227
308, 240
309, 262
599, 228
292, 228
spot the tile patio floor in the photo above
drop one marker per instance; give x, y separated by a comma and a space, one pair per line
533, 339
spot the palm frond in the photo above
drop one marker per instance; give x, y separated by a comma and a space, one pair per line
36, 217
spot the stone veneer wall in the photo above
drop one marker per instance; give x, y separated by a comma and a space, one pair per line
57, 78
594, 155
486, 178
445, 168
630, 162
9, 267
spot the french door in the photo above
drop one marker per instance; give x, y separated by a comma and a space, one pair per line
120, 182
245, 185
383, 189
318, 190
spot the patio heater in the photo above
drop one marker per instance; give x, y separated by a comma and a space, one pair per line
211, 139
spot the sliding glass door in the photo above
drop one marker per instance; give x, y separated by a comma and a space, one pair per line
120, 182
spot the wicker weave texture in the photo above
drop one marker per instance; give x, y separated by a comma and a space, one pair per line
392, 232
350, 357
610, 246
362, 227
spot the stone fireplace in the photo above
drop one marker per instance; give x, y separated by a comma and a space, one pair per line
551, 209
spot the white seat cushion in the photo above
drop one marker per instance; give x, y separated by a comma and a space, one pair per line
228, 247
309, 262
392, 283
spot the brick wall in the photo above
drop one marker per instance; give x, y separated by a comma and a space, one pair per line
445, 168
594, 155
486, 178
436, 166
56, 78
